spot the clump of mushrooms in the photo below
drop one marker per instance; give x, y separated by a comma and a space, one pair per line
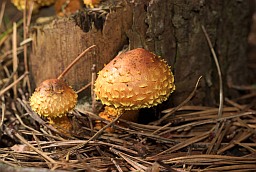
53, 99
133, 80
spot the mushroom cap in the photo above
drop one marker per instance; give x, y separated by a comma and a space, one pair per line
20, 4
91, 3
133, 80
53, 98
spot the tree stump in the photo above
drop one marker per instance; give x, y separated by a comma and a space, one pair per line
56, 44
171, 29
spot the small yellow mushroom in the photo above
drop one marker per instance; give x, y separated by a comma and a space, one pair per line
53, 99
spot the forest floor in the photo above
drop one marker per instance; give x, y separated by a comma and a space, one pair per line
186, 138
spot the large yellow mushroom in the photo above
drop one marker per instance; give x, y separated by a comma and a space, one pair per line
133, 80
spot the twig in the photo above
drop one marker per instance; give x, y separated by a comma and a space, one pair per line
244, 124
23, 140
233, 168
148, 135
96, 135
117, 166
13, 84
208, 121
2, 12
184, 144
3, 112
189, 108
74, 62
176, 108
50, 137
10, 77
92, 87
202, 159
15, 58
9, 53
66, 143
8, 72
29, 15
30, 112
22, 123
242, 87
221, 99
214, 140
5, 35
233, 103
133, 157
246, 96
26, 23
83, 88
218, 143
218, 70
246, 147
37, 141
244, 135
26, 41
136, 165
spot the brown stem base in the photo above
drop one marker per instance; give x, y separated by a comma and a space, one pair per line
62, 124
111, 113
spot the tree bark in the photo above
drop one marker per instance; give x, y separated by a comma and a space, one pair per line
56, 44
171, 29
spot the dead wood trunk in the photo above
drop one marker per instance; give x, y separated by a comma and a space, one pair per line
171, 29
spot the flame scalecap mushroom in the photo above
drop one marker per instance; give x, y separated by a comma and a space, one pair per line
91, 3
133, 80
53, 98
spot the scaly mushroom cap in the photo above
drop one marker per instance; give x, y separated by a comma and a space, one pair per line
20, 4
91, 3
133, 80
53, 98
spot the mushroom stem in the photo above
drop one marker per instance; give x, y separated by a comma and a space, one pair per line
111, 113
62, 124
75, 61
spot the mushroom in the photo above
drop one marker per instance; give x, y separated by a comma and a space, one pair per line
91, 3
21, 4
133, 80
53, 99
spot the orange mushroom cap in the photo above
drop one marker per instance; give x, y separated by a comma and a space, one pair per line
53, 98
91, 3
133, 80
